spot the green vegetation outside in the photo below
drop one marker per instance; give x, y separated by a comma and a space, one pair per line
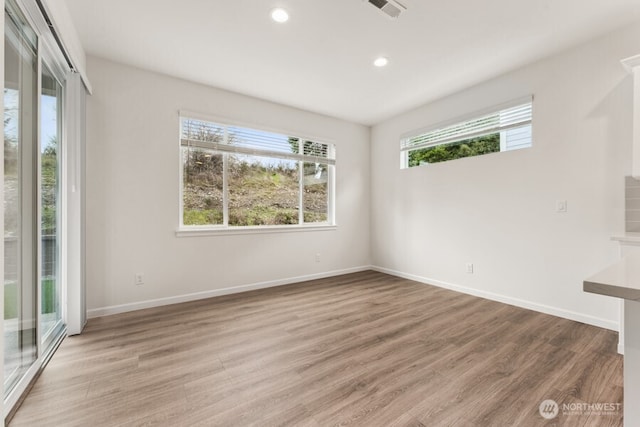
11, 296
456, 150
49, 189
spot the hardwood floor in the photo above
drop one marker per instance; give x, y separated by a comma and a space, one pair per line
364, 349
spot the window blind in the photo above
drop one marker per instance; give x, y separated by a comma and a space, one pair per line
235, 139
498, 121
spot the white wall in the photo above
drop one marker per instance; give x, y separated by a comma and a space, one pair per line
132, 194
498, 211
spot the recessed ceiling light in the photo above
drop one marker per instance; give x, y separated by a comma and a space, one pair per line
381, 62
279, 15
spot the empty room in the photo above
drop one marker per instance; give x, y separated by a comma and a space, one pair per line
319, 213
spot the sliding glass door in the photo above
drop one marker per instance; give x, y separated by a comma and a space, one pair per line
33, 315
20, 202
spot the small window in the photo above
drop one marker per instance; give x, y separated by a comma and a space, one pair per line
240, 177
502, 129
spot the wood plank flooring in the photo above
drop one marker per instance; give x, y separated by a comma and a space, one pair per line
364, 349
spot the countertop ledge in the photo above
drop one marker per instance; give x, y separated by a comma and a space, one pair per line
628, 237
620, 280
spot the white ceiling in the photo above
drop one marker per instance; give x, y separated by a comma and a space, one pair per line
321, 60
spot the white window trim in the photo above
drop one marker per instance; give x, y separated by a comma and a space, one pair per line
195, 231
226, 229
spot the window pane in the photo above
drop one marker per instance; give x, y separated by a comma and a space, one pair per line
20, 131
202, 193
456, 150
316, 192
199, 130
514, 139
50, 110
262, 190
261, 140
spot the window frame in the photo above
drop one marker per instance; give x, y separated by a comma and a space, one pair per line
405, 149
226, 229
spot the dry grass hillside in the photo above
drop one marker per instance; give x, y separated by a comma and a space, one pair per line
260, 193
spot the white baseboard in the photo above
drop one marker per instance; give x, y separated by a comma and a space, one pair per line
123, 308
554, 311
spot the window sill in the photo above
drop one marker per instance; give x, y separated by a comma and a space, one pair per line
223, 231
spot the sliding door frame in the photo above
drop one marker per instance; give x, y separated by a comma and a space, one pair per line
45, 342
49, 54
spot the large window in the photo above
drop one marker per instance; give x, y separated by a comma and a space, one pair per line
502, 129
239, 177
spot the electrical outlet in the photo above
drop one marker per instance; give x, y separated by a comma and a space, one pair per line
318, 257
139, 279
561, 206
470, 268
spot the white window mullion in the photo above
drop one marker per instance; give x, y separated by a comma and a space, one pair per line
301, 192
331, 202
207, 145
38, 204
182, 161
225, 190
225, 183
